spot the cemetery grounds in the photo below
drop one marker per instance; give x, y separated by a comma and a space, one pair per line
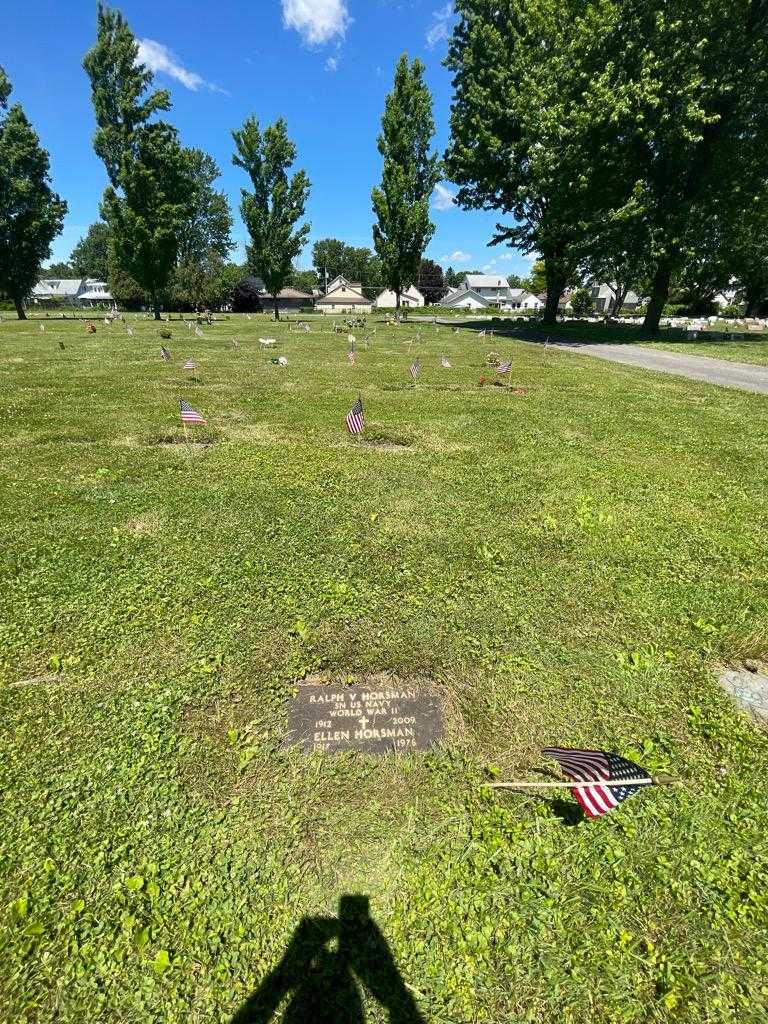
565, 563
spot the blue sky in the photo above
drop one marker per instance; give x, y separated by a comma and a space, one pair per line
324, 65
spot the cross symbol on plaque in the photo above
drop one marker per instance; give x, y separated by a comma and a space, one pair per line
363, 722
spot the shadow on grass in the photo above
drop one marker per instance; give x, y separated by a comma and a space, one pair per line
320, 974
594, 334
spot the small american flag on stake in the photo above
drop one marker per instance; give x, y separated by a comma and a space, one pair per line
164, 353
355, 418
352, 356
415, 368
600, 780
188, 414
190, 365
599, 766
503, 367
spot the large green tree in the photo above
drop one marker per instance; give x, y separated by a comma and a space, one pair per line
145, 217
409, 174
680, 116
31, 214
90, 257
118, 87
518, 142
431, 281
207, 229
151, 192
271, 212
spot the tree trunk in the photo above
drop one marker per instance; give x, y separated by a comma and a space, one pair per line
555, 288
659, 295
156, 306
277, 307
753, 296
21, 313
619, 297
397, 298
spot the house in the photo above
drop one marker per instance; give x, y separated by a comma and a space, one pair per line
728, 297
343, 296
77, 291
493, 287
465, 298
519, 298
410, 298
604, 296
288, 299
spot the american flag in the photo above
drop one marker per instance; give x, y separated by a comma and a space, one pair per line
355, 419
589, 765
190, 365
164, 353
415, 368
445, 363
188, 414
351, 356
503, 367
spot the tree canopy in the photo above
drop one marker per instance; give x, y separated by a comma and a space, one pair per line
409, 175
31, 213
90, 257
271, 212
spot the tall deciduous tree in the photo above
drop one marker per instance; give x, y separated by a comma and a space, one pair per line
31, 214
118, 85
683, 108
272, 210
150, 193
409, 175
520, 67
146, 216
90, 257
331, 257
207, 229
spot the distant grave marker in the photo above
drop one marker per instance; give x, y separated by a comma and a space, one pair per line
748, 687
372, 717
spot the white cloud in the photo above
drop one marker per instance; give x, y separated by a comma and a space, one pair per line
442, 198
316, 21
332, 64
159, 57
531, 257
457, 256
440, 27
505, 256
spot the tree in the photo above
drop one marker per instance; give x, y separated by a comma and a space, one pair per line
451, 278
90, 257
536, 282
431, 281
304, 280
150, 194
515, 281
118, 83
581, 302
272, 210
146, 218
60, 269
31, 214
520, 68
246, 296
680, 121
207, 229
409, 175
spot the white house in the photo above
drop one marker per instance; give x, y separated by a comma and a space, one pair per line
519, 298
465, 298
410, 298
727, 297
343, 297
493, 287
78, 291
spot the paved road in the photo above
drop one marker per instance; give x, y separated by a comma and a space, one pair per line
743, 376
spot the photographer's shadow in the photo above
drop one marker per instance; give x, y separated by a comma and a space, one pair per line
320, 975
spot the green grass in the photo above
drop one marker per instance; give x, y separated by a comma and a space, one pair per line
567, 565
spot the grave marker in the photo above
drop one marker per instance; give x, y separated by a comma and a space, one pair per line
369, 717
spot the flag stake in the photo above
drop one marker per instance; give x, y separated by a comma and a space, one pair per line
657, 780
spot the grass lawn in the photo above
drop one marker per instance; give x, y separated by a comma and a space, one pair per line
565, 565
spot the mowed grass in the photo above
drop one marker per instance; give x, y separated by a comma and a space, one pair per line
566, 565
